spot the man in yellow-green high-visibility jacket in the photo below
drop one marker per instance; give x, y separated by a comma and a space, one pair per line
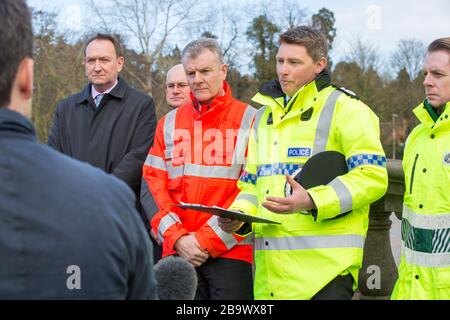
315, 255
424, 271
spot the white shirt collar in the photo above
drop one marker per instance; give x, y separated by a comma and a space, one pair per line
96, 93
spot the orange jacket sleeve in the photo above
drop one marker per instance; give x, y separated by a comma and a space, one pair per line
166, 223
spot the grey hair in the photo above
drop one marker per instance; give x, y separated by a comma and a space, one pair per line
194, 48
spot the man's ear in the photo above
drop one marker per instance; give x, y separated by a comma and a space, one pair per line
120, 63
22, 90
321, 65
24, 78
224, 70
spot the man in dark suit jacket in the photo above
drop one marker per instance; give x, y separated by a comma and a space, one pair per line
67, 229
109, 124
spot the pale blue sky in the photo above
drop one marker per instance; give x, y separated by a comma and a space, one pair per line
381, 22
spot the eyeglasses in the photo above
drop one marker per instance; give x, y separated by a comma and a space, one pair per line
180, 85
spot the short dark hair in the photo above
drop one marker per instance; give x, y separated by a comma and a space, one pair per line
108, 37
194, 48
442, 44
315, 42
16, 43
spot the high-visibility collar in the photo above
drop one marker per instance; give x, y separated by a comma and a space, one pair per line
422, 113
218, 102
431, 110
272, 96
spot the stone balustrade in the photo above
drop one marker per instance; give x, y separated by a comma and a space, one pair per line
379, 271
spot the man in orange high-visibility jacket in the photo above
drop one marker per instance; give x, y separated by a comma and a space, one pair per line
197, 157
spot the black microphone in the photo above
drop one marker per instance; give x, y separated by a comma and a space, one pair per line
176, 279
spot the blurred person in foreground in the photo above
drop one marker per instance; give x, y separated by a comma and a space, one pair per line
67, 230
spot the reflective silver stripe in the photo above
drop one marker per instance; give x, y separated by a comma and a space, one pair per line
174, 172
165, 223
310, 242
190, 169
344, 195
155, 162
258, 117
243, 134
428, 260
324, 123
251, 198
248, 240
169, 130
227, 238
426, 221
224, 172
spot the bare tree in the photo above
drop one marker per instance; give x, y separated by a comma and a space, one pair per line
147, 24
284, 13
58, 70
223, 21
409, 56
365, 55
360, 73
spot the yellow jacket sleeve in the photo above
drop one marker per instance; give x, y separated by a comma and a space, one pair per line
356, 131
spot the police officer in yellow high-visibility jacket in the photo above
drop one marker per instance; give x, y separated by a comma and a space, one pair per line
424, 271
317, 255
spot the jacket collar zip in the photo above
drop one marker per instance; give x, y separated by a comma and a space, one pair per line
301, 101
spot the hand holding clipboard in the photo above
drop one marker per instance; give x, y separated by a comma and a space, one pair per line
320, 169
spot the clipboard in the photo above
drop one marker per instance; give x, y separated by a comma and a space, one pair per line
224, 213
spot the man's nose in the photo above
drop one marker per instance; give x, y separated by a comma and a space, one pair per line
427, 82
283, 69
98, 66
198, 78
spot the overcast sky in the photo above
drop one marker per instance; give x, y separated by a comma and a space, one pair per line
380, 22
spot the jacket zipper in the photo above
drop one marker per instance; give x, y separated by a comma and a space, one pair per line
412, 174
290, 103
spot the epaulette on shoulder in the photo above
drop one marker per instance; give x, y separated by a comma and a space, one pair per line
350, 93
